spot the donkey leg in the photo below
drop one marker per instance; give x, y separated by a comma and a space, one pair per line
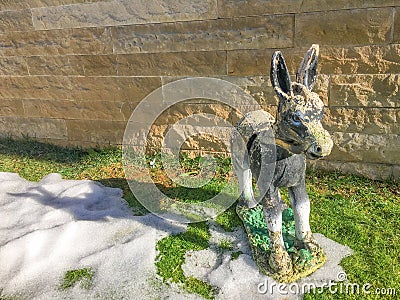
246, 187
279, 259
301, 208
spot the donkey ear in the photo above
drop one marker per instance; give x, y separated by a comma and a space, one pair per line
307, 73
280, 77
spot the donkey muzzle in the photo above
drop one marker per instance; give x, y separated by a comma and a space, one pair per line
314, 151
321, 146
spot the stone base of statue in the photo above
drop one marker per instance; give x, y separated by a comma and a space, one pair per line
303, 262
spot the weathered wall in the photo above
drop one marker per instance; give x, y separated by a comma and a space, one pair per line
72, 71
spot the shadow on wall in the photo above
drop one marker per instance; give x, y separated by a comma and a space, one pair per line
31, 148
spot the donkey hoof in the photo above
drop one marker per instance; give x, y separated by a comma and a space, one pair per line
309, 243
280, 261
246, 202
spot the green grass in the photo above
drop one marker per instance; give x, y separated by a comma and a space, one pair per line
171, 255
364, 215
354, 211
72, 277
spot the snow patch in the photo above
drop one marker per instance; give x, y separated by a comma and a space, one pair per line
55, 225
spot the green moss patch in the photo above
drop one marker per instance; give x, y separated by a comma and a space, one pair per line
83, 276
171, 257
304, 263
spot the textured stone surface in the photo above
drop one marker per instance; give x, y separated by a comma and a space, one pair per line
363, 60
369, 148
11, 107
102, 133
84, 65
13, 66
396, 31
132, 89
56, 42
370, 170
321, 5
33, 127
35, 87
50, 67
70, 109
221, 34
347, 27
365, 120
248, 62
21, 4
395, 172
365, 90
231, 8
18, 20
122, 12
176, 64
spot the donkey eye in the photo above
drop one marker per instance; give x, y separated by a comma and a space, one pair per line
295, 119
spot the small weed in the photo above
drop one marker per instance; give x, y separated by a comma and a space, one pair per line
236, 254
225, 245
84, 276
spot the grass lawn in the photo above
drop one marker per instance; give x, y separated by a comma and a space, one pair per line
354, 211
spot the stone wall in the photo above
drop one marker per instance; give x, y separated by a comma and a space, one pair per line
72, 71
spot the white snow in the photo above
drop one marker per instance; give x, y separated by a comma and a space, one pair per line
55, 225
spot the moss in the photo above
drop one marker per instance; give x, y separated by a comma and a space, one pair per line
71, 277
171, 256
304, 263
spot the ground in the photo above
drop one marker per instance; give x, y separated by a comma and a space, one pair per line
353, 211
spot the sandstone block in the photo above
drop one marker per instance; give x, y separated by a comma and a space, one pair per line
363, 120
203, 143
33, 127
12, 107
381, 90
36, 87
56, 42
102, 133
122, 12
122, 89
259, 87
222, 34
21, 4
84, 65
71, 109
249, 62
234, 8
321, 5
172, 64
396, 172
15, 20
13, 5
145, 135
182, 110
396, 31
13, 66
344, 27
257, 62
372, 59
372, 148
372, 171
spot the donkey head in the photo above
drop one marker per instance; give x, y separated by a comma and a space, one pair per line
298, 126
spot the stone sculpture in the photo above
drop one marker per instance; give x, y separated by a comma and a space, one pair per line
282, 144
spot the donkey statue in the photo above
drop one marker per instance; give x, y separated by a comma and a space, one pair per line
296, 133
